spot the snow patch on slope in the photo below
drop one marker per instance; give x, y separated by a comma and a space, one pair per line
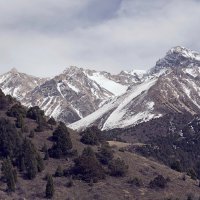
117, 107
73, 88
59, 90
116, 118
113, 87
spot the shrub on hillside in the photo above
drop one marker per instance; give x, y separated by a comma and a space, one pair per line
135, 182
17, 110
105, 154
87, 167
92, 136
51, 121
34, 113
158, 182
117, 167
59, 172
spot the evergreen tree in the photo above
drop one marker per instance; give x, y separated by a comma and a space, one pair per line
41, 123
9, 174
30, 159
46, 156
62, 142
10, 139
40, 163
49, 187
19, 122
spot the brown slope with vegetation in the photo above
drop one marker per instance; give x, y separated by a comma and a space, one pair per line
70, 173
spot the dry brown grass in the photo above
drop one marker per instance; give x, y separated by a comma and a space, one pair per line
108, 189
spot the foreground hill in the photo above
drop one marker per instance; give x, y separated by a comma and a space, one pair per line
28, 134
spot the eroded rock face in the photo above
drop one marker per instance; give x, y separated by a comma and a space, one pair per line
70, 96
88, 97
172, 86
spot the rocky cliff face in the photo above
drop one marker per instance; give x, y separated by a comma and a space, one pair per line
18, 84
172, 86
71, 95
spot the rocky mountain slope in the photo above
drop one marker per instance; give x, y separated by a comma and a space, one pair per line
71, 95
18, 84
172, 86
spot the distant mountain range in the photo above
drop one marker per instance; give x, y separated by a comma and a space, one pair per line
71, 95
83, 97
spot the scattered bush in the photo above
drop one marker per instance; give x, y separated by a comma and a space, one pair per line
52, 121
192, 174
135, 181
87, 167
176, 166
69, 183
89, 138
17, 110
158, 182
105, 154
92, 136
117, 167
35, 113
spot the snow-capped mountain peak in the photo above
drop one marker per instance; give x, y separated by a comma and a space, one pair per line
14, 70
177, 57
185, 52
172, 86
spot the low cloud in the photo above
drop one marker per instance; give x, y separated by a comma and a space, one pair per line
45, 36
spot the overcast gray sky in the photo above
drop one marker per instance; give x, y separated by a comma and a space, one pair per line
43, 37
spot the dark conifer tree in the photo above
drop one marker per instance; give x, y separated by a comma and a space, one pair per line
8, 173
20, 122
62, 142
46, 156
49, 187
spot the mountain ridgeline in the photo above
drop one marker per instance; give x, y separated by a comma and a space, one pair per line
70, 96
84, 98
92, 135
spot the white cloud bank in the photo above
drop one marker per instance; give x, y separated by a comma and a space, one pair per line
42, 37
